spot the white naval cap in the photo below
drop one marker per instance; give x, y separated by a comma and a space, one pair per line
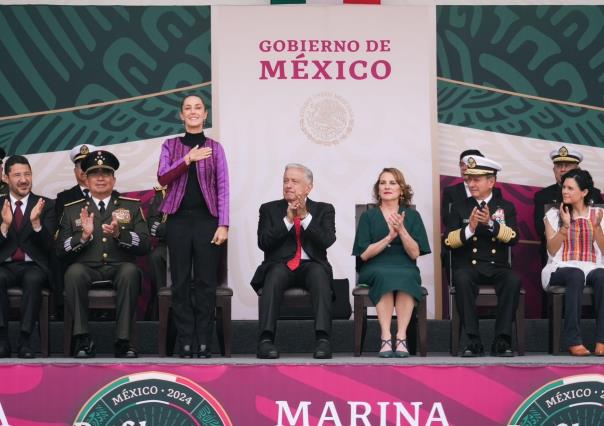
78, 152
480, 165
566, 155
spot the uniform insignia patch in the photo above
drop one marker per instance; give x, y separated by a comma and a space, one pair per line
499, 216
123, 215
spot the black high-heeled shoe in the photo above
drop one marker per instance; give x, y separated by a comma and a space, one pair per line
186, 351
204, 352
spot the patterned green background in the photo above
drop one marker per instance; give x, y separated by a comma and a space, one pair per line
555, 52
64, 56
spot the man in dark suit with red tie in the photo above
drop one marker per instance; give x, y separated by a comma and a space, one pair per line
26, 239
294, 234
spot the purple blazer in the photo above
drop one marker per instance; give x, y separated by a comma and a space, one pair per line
212, 174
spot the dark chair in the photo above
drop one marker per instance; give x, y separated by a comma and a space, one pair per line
488, 299
362, 302
15, 295
555, 307
101, 295
224, 295
294, 305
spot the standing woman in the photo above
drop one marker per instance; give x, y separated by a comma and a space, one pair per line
388, 241
574, 245
197, 204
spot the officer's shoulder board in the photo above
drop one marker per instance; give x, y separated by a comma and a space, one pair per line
121, 197
75, 202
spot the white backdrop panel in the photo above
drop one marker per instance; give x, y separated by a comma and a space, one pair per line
384, 122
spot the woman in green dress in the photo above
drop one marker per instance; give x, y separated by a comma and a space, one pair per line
388, 241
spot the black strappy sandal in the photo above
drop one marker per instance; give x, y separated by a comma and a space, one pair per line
386, 354
401, 354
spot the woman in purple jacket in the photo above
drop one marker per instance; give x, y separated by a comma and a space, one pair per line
197, 206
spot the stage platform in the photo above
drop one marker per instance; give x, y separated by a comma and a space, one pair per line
535, 389
297, 336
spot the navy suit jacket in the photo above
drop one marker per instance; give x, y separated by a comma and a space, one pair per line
279, 244
38, 245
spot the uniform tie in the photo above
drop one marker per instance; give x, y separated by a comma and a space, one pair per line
86, 193
18, 255
482, 204
293, 263
102, 207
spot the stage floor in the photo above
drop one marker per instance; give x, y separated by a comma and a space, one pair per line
532, 359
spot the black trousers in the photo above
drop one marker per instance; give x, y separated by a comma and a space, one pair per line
507, 288
574, 279
126, 278
158, 260
194, 270
31, 278
309, 275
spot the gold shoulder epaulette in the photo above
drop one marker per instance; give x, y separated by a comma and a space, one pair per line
160, 188
453, 240
506, 234
75, 202
121, 197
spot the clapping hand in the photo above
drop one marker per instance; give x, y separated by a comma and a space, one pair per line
296, 208
7, 213
36, 212
112, 228
87, 220
599, 215
484, 215
7, 217
397, 220
395, 224
565, 215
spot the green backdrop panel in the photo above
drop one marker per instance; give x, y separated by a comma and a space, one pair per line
64, 56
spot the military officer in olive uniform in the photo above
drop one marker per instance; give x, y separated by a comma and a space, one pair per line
564, 159
479, 232
75, 193
102, 236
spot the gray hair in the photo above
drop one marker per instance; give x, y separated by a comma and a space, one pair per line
306, 170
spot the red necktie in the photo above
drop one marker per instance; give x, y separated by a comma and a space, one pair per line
18, 255
293, 263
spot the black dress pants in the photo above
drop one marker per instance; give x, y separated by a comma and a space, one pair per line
574, 279
158, 260
31, 278
194, 271
309, 275
507, 288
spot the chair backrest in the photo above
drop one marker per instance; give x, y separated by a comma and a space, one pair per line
222, 268
359, 209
